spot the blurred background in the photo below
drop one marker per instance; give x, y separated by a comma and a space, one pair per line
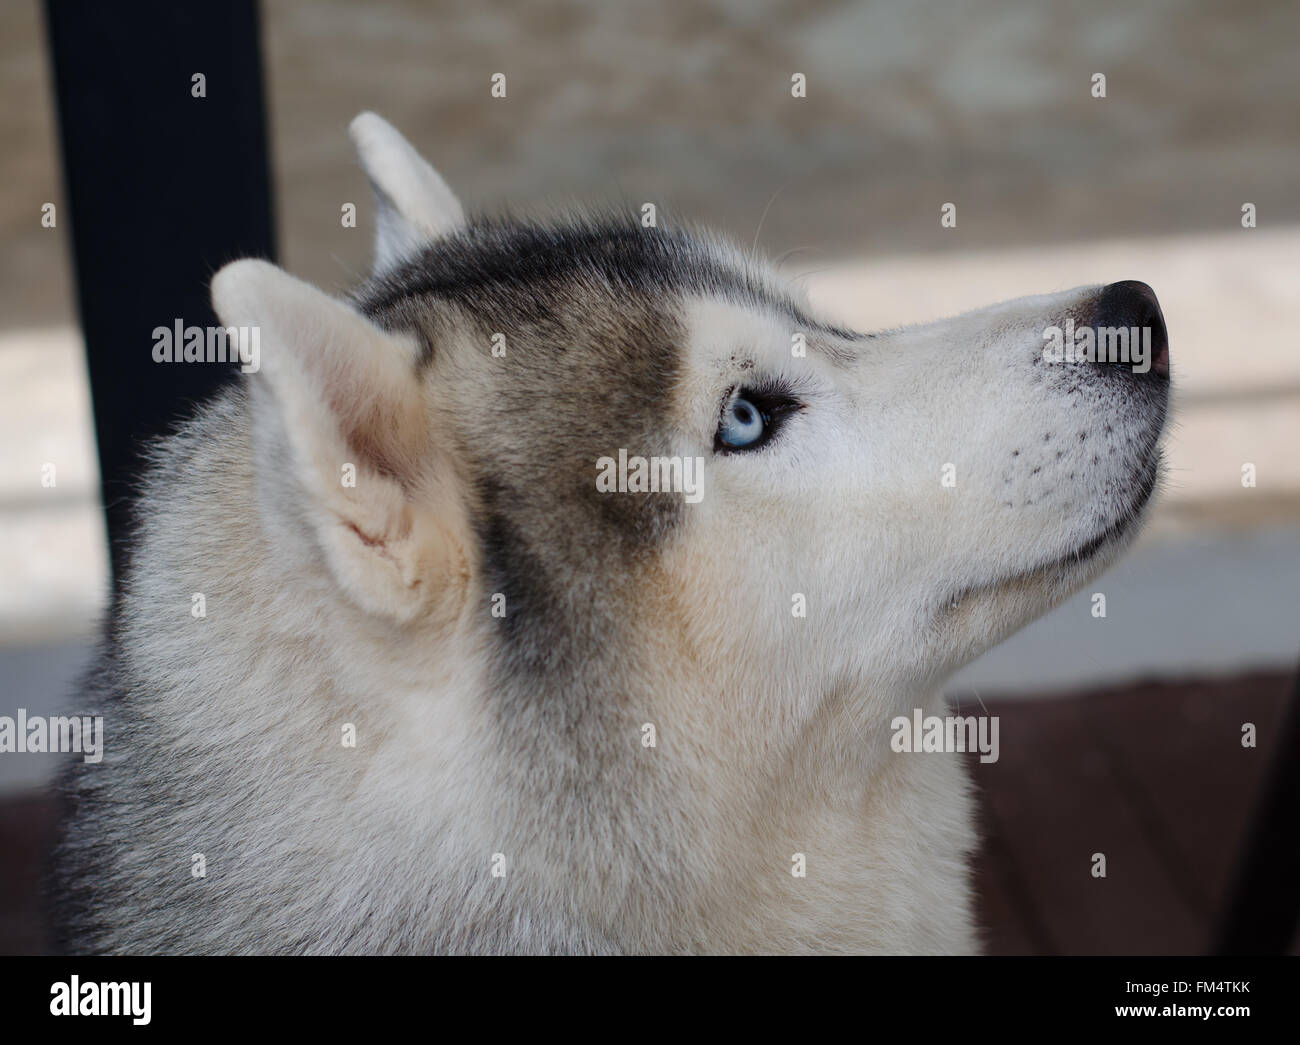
1119, 735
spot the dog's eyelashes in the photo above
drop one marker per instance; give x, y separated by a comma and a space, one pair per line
750, 417
743, 424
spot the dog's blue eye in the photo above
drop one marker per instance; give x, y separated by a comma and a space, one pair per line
742, 424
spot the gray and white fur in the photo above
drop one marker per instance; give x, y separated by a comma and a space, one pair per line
501, 795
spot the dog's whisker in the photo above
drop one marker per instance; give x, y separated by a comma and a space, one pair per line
753, 250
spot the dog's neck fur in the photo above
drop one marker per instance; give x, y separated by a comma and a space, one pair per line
608, 845
881, 508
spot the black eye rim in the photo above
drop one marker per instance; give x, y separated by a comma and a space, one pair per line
773, 405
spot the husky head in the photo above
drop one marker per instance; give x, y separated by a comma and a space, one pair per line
632, 474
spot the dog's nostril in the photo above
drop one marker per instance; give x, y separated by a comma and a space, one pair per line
1132, 306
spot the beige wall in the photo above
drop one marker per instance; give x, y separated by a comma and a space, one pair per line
911, 104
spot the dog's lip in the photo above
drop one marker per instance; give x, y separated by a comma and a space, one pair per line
1109, 534
1112, 531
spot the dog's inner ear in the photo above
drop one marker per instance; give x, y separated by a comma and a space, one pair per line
346, 397
413, 204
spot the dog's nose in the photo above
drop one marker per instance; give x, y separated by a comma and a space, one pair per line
1133, 305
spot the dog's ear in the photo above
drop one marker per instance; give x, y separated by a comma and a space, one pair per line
414, 205
347, 397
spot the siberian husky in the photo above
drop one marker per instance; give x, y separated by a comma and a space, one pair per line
557, 592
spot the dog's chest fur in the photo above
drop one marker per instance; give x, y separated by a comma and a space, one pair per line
225, 744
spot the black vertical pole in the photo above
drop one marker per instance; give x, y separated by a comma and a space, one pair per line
167, 178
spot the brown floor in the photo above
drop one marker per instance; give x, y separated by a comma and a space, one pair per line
1153, 776
26, 828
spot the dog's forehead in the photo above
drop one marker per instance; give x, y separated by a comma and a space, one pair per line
504, 272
